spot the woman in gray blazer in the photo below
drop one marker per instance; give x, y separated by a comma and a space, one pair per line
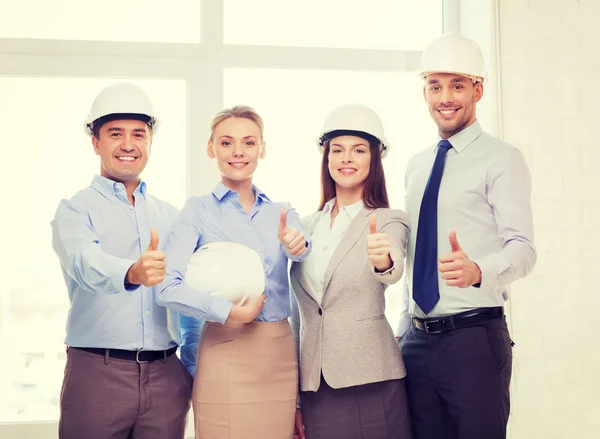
351, 370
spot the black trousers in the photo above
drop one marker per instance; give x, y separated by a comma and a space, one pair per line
458, 382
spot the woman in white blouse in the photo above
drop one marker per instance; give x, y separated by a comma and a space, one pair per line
351, 370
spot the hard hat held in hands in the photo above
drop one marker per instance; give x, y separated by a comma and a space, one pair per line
122, 98
453, 53
228, 270
354, 120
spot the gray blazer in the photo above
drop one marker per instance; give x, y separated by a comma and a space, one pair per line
347, 337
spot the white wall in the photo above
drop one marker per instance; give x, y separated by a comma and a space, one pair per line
550, 67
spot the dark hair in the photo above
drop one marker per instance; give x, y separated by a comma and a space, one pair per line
98, 123
374, 190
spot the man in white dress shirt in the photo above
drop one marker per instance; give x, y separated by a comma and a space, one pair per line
468, 202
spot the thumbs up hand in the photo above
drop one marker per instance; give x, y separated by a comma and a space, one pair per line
378, 247
149, 269
456, 268
290, 237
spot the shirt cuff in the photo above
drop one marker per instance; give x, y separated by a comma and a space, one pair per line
489, 273
118, 274
219, 309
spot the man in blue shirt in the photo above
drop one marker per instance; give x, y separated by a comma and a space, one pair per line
122, 379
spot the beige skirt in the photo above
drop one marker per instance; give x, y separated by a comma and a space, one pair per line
246, 382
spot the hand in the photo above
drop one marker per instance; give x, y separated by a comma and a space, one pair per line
299, 426
456, 268
291, 238
246, 312
378, 247
149, 269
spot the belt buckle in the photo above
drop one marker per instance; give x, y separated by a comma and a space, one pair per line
137, 357
426, 325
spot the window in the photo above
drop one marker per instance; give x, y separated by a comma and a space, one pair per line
109, 20
353, 24
46, 157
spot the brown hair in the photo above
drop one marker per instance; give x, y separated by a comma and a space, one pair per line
374, 190
239, 111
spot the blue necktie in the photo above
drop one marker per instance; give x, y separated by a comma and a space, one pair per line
426, 291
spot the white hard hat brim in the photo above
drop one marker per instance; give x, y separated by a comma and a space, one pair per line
474, 78
152, 122
326, 136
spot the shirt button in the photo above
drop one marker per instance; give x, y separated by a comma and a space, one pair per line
249, 228
130, 207
148, 340
147, 313
320, 312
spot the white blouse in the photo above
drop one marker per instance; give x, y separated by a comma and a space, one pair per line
325, 240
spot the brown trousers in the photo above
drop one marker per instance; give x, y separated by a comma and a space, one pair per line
120, 399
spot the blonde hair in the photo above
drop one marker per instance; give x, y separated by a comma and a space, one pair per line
239, 111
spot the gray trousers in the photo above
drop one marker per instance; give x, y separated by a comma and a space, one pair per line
108, 398
369, 411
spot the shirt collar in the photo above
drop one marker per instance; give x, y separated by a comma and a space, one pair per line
465, 137
110, 188
221, 191
351, 211
329, 205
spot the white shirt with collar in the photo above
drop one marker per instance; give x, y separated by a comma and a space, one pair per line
324, 242
485, 196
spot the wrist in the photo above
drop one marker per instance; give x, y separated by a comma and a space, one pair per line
384, 266
477, 271
130, 277
236, 314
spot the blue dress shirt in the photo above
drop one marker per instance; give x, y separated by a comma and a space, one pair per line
98, 234
219, 217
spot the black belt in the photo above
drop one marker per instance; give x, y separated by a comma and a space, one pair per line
137, 356
465, 319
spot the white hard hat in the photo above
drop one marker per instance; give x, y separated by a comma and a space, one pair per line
453, 53
354, 120
121, 99
228, 270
